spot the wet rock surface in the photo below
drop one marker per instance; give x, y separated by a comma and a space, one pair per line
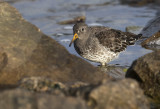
151, 32
29, 52
152, 42
146, 70
140, 2
152, 27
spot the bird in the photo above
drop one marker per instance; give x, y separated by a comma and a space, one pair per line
99, 43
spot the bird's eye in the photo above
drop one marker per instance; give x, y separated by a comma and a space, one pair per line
82, 29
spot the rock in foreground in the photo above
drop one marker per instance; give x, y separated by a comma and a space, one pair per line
21, 99
146, 70
121, 94
124, 94
26, 51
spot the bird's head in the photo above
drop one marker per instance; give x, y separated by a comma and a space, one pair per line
80, 31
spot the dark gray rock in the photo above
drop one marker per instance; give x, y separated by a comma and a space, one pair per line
29, 52
21, 99
152, 27
146, 70
152, 42
152, 33
140, 2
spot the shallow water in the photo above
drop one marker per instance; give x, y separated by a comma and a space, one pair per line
46, 14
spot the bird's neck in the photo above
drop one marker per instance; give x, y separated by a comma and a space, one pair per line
79, 45
80, 42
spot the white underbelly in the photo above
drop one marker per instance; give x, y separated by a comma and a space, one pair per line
102, 56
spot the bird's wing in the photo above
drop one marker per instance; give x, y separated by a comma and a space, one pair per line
116, 40
96, 29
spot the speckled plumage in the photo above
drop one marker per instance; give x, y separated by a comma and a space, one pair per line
99, 43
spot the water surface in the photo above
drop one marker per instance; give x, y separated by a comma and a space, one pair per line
46, 14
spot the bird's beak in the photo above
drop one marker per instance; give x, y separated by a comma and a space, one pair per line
74, 38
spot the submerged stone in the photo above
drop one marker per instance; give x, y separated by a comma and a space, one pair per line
134, 29
73, 21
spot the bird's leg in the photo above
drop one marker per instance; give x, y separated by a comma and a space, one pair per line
103, 64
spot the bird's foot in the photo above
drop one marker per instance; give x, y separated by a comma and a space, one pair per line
103, 65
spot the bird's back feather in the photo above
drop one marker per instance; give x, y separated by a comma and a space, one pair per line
116, 40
